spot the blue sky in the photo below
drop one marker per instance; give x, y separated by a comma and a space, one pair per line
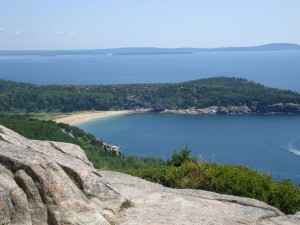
90, 24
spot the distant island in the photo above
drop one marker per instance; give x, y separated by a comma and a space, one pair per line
219, 95
153, 51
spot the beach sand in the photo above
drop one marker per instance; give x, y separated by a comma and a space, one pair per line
81, 117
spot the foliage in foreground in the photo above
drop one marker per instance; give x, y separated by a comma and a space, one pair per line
226, 179
93, 147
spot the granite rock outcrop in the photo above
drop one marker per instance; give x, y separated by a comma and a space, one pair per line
51, 183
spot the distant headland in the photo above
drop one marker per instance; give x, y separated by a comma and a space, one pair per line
153, 50
218, 95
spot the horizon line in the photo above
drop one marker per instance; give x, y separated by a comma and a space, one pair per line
152, 47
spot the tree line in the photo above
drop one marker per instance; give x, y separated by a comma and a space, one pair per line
220, 91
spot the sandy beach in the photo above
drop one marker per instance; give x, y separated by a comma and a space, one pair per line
81, 117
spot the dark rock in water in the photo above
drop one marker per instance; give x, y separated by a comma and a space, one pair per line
111, 149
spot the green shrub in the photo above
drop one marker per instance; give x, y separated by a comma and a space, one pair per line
284, 195
227, 179
236, 180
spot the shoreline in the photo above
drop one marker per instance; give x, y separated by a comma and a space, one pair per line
85, 116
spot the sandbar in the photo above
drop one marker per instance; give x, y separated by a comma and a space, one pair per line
81, 117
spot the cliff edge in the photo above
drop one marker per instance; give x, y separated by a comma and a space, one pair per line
53, 183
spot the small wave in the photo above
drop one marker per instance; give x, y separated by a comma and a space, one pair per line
279, 148
292, 148
116, 147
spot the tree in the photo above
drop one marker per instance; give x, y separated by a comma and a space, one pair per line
183, 156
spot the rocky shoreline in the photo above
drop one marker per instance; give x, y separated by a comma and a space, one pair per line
287, 108
112, 149
213, 110
281, 108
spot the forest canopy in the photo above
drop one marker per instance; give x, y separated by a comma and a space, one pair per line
219, 91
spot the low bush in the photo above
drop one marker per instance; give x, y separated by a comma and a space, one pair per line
227, 179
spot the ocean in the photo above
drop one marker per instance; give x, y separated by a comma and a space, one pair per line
272, 68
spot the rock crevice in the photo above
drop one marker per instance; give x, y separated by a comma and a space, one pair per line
39, 188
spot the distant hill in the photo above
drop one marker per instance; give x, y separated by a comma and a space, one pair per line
154, 51
219, 93
268, 47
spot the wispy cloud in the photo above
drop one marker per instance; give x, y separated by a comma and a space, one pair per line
16, 33
57, 32
2, 29
60, 33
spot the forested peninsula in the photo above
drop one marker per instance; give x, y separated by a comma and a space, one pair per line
208, 96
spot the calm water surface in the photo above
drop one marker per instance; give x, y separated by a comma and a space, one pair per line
276, 68
264, 142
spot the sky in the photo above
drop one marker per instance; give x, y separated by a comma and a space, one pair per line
98, 24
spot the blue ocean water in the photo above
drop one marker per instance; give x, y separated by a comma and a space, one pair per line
272, 68
269, 143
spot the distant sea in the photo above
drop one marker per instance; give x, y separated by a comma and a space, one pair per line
272, 68
267, 143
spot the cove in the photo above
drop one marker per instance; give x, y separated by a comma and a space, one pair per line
269, 143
